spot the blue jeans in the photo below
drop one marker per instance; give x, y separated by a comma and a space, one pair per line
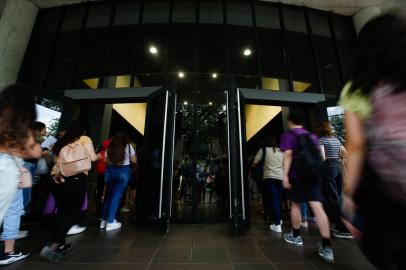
304, 210
12, 219
9, 177
27, 191
116, 179
273, 190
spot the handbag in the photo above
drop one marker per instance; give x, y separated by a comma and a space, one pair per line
25, 180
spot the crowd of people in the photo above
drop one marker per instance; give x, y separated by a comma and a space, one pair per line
368, 204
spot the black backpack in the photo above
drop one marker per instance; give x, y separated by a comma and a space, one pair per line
307, 160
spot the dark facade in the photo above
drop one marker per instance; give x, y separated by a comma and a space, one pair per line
205, 60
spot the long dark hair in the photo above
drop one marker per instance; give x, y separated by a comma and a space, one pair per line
75, 130
272, 143
380, 54
117, 147
17, 115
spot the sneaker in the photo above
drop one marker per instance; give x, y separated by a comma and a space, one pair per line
22, 234
64, 248
304, 225
102, 224
275, 228
296, 241
51, 254
124, 210
342, 235
326, 253
76, 229
113, 226
9, 258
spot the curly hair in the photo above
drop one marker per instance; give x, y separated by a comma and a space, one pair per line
17, 115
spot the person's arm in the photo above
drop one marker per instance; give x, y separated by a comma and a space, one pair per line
257, 158
323, 152
287, 163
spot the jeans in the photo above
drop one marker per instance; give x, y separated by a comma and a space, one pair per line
332, 192
304, 211
69, 198
273, 192
11, 224
9, 177
116, 180
27, 191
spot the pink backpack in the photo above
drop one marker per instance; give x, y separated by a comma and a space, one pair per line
74, 159
386, 132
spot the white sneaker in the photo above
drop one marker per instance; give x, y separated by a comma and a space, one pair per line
113, 226
276, 228
76, 229
304, 225
102, 224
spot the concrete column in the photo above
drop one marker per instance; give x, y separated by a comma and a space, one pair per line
364, 15
17, 18
99, 117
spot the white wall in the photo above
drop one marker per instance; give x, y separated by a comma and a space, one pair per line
16, 24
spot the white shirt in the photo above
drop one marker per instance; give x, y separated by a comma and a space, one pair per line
273, 164
129, 152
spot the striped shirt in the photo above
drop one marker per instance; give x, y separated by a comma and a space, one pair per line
332, 146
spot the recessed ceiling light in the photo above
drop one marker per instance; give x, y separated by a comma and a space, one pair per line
181, 74
247, 52
185, 102
153, 50
214, 75
210, 103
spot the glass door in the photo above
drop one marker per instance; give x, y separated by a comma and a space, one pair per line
201, 176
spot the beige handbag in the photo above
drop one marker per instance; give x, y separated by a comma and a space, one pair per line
25, 176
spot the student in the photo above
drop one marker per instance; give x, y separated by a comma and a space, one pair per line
303, 189
17, 114
69, 191
272, 181
332, 150
374, 194
119, 155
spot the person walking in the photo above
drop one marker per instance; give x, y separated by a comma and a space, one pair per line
101, 170
17, 115
272, 181
69, 189
332, 150
119, 156
302, 164
374, 194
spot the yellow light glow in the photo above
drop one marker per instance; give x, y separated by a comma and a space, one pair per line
257, 116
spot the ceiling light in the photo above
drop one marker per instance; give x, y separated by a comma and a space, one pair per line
181, 74
210, 103
247, 52
214, 75
185, 102
153, 50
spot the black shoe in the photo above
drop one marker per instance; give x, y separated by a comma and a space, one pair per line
51, 254
9, 258
64, 248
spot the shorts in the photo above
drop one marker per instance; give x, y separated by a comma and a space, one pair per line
305, 190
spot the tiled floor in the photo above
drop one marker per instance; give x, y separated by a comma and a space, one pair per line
189, 247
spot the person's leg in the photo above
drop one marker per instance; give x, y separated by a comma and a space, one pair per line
99, 195
109, 179
276, 205
11, 223
321, 219
267, 197
123, 175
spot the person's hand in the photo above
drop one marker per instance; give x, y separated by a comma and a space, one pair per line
286, 183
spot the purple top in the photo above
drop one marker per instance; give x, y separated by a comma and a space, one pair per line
288, 142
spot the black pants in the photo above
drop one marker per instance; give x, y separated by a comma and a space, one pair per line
99, 195
331, 189
69, 199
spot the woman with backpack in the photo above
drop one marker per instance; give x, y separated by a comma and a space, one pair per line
272, 181
119, 156
332, 150
375, 121
74, 152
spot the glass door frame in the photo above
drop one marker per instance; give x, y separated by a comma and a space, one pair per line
135, 95
195, 219
262, 97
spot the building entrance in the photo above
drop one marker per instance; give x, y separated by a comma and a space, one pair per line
200, 191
